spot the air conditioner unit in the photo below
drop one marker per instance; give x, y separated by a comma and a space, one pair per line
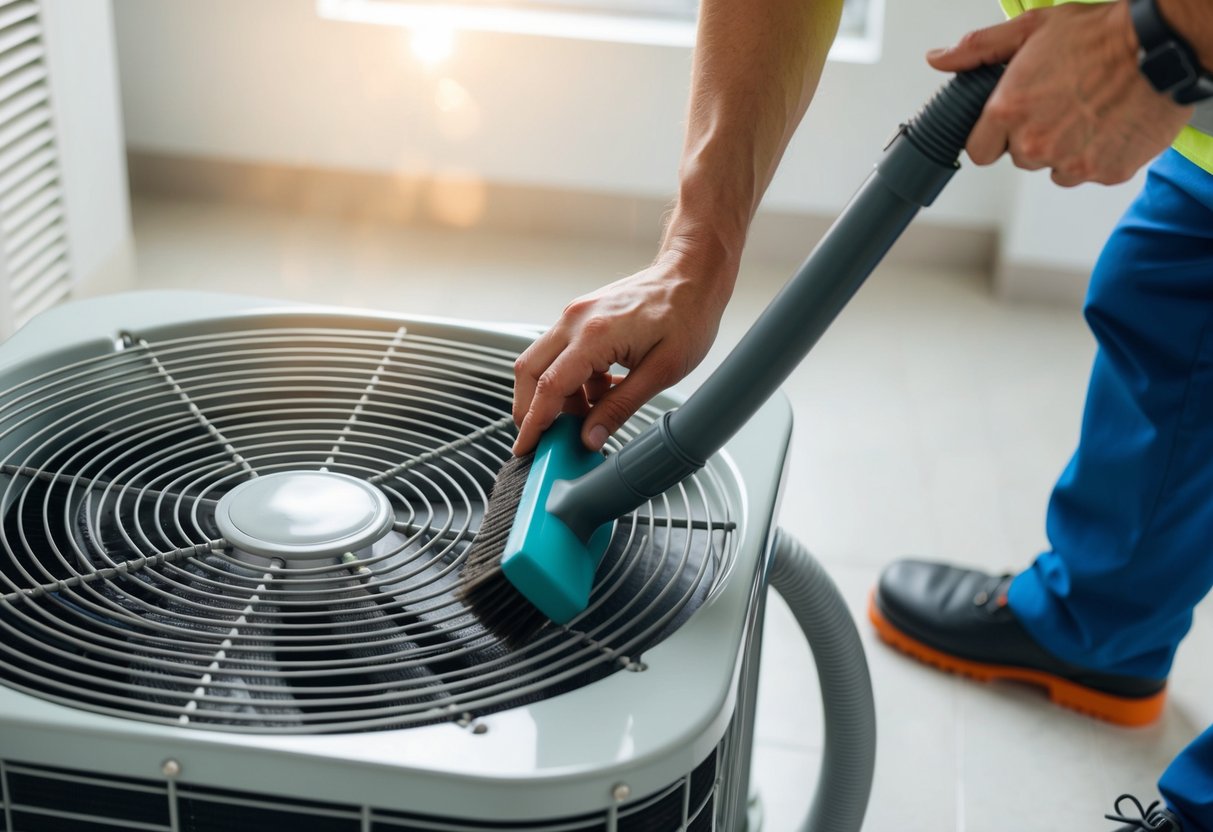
315, 668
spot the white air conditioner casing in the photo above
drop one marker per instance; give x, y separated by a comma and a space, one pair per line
592, 757
64, 210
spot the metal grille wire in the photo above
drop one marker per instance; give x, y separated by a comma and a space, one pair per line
118, 595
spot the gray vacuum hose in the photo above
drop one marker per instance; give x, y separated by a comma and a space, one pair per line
849, 758
913, 170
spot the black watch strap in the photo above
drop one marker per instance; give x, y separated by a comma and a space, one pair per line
1167, 60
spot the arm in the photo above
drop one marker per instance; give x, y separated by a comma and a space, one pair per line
756, 67
1072, 98
1194, 20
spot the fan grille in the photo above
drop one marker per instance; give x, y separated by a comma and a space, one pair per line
119, 595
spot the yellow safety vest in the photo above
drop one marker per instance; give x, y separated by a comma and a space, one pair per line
1193, 144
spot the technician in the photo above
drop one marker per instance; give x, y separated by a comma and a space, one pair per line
1093, 91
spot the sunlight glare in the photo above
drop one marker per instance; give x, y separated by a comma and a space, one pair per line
432, 44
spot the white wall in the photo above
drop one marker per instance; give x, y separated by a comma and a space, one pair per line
84, 88
1055, 228
271, 81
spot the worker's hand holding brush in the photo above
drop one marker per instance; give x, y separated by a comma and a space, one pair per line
756, 66
658, 323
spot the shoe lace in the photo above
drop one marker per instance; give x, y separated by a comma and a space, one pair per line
1149, 818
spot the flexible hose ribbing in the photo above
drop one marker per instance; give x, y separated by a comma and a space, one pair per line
942, 126
849, 758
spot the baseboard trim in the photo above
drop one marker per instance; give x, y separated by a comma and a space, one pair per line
1041, 284
467, 202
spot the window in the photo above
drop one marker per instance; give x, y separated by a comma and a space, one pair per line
663, 22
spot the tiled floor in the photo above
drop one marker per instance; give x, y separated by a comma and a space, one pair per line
931, 419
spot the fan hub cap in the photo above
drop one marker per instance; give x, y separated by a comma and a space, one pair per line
308, 514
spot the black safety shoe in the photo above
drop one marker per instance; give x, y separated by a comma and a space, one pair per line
1149, 819
959, 621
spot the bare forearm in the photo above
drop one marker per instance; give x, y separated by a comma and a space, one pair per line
757, 64
1193, 19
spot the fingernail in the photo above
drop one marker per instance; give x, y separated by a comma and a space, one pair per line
936, 53
598, 437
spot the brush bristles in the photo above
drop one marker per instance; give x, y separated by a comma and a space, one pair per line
502, 609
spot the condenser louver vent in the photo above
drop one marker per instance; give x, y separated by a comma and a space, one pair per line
33, 234
101, 801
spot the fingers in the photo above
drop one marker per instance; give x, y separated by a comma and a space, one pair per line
988, 141
609, 399
530, 365
555, 388
622, 401
599, 385
625, 323
580, 402
992, 45
1064, 180
1005, 126
1027, 152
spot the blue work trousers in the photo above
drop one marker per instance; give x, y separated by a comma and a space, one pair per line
1130, 522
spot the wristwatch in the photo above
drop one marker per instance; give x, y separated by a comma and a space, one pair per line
1167, 60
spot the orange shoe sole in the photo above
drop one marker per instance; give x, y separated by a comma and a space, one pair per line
1130, 712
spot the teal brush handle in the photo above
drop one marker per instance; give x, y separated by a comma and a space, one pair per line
917, 164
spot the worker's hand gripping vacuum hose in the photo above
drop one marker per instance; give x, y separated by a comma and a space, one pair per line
916, 166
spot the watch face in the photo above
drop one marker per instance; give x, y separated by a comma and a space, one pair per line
1168, 67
